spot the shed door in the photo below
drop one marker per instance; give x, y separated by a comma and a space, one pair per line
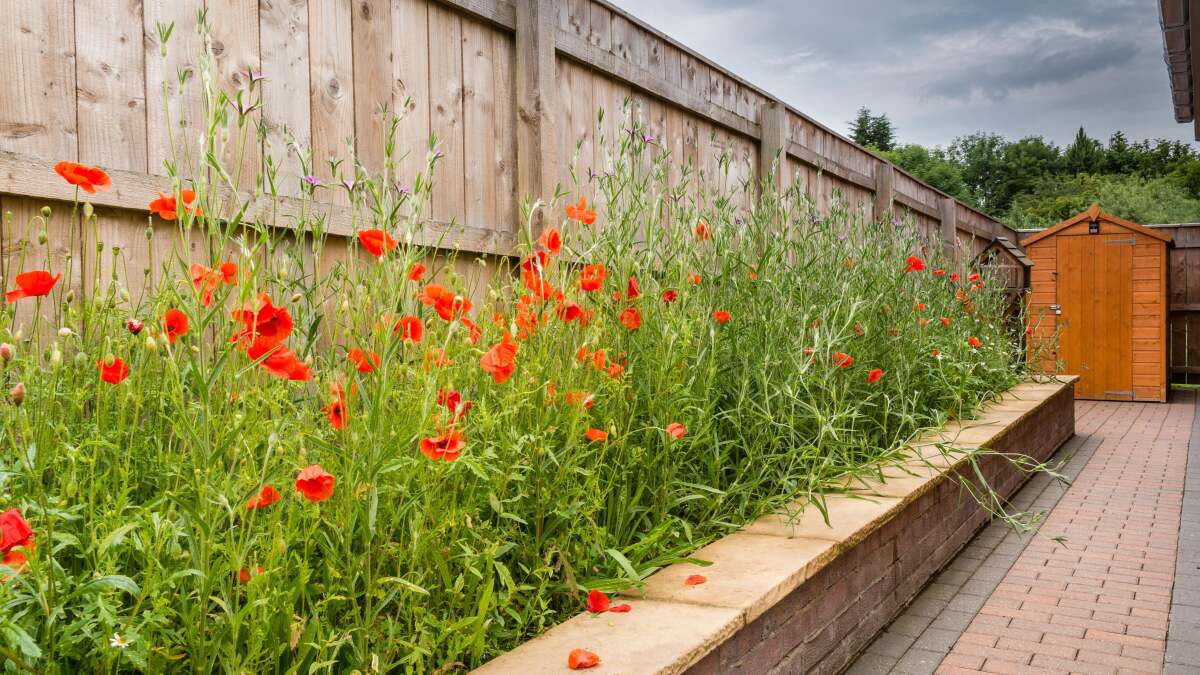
1095, 291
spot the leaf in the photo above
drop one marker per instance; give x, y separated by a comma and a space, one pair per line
117, 581
625, 564
115, 537
17, 636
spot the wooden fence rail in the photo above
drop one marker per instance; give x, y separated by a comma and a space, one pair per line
511, 88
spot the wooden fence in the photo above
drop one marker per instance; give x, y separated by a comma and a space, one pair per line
510, 87
1183, 303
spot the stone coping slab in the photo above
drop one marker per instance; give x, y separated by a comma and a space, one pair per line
672, 625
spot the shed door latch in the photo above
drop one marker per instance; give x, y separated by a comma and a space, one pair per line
1122, 241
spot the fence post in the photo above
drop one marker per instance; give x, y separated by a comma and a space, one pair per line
949, 212
885, 178
773, 144
537, 159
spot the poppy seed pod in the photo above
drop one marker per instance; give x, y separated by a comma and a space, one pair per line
64, 332
55, 357
42, 238
46, 212
6, 352
18, 393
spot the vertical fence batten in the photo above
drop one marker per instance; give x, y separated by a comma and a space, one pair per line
510, 87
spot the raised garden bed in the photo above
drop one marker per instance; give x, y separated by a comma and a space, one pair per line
799, 595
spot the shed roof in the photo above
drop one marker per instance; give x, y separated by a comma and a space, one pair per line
1009, 247
1094, 213
1178, 22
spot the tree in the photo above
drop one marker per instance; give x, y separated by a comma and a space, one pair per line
933, 166
873, 131
980, 157
1084, 155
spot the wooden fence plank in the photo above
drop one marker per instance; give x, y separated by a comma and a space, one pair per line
236, 48
37, 71
479, 131
331, 85
111, 88
284, 32
174, 108
446, 112
371, 25
410, 35
537, 166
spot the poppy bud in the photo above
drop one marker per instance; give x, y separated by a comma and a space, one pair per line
64, 332
55, 357
82, 360
88, 210
296, 297
70, 296
149, 233
6, 352
46, 211
99, 247
124, 294
18, 393
19, 334
134, 326
41, 237
151, 345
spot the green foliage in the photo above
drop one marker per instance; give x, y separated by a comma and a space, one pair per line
1030, 182
873, 131
1133, 197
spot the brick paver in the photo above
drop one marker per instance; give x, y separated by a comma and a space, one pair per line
1098, 601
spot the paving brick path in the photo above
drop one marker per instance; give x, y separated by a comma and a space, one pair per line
1100, 601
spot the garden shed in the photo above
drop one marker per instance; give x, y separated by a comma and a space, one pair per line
1100, 283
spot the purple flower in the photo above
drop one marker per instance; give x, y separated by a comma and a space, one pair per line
896, 221
242, 107
648, 138
404, 189
349, 184
312, 180
254, 75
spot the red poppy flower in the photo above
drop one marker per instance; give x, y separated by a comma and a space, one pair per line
631, 318
134, 326
206, 280
32, 284
437, 357
702, 231
244, 574
15, 560
550, 240
475, 333
581, 212
676, 430
114, 372
265, 325
87, 178
365, 362
166, 206
954, 277
537, 284
939, 272
280, 362
500, 360
377, 242
446, 447
615, 370
336, 410
874, 376
580, 659
973, 278
945, 321
591, 278
577, 397
695, 579
670, 295
915, 264
448, 305
14, 530
920, 306
842, 360
721, 316
315, 483
409, 328
593, 434
695, 279
267, 496
416, 272
632, 290
175, 323
936, 353
569, 312
974, 342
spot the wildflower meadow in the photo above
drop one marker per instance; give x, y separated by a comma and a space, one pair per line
288, 453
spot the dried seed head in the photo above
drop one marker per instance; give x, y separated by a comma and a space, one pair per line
18, 393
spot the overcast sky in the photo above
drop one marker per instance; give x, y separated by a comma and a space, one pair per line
943, 68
